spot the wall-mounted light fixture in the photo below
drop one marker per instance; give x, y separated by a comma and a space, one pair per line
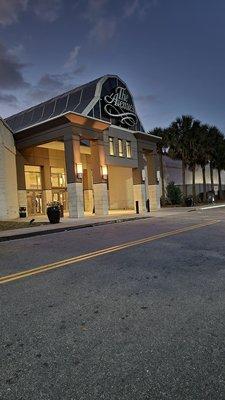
158, 176
143, 175
104, 171
79, 170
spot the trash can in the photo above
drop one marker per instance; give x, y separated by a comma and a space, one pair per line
22, 212
189, 201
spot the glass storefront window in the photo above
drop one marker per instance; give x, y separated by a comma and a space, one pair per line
58, 178
33, 177
120, 144
128, 149
111, 146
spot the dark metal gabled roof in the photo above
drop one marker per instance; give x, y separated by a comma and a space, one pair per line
74, 100
86, 100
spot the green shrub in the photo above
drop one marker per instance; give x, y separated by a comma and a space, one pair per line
174, 194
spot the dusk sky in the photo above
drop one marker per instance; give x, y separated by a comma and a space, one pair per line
171, 53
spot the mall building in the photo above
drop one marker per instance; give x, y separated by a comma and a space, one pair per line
86, 149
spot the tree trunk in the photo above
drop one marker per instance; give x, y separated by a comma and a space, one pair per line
204, 183
211, 177
193, 184
220, 185
162, 179
184, 179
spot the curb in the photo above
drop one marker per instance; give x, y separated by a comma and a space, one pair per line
69, 228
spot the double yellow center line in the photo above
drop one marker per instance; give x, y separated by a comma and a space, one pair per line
97, 253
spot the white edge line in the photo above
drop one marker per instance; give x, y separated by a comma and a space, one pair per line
212, 207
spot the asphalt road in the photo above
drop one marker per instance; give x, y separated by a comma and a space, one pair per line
141, 321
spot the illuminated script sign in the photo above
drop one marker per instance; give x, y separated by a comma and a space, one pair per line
117, 105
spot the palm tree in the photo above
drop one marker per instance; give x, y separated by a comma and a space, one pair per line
193, 146
215, 136
160, 150
219, 159
204, 144
178, 138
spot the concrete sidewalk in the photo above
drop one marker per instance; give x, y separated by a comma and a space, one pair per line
67, 224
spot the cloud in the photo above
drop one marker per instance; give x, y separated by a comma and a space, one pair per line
17, 51
36, 95
72, 59
138, 7
79, 70
47, 10
103, 30
11, 70
102, 24
8, 99
51, 81
50, 85
94, 9
10, 10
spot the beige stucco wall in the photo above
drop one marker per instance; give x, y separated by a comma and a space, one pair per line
120, 188
44, 156
173, 172
8, 181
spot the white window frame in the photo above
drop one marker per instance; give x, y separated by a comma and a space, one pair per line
128, 149
111, 146
120, 148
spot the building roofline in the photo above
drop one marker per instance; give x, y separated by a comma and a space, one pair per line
53, 98
25, 119
59, 116
6, 125
148, 135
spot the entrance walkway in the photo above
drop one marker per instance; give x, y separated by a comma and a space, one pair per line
88, 221
87, 216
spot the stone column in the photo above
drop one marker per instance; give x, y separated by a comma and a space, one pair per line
139, 185
8, 182
88, 192
46, 184
153, 183
21, 183
74, 183
100, 188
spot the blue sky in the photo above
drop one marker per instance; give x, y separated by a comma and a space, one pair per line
171, 53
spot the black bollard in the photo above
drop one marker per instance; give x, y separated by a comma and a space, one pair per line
137, 207
148, 205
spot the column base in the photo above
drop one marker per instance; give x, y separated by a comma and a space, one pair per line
154, 196
75, 200
140, 196
88, 200
101, 200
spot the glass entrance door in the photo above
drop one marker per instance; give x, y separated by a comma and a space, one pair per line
34, 202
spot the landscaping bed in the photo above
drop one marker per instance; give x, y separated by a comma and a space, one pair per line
7, 225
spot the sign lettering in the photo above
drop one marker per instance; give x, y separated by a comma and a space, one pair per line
118, 106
